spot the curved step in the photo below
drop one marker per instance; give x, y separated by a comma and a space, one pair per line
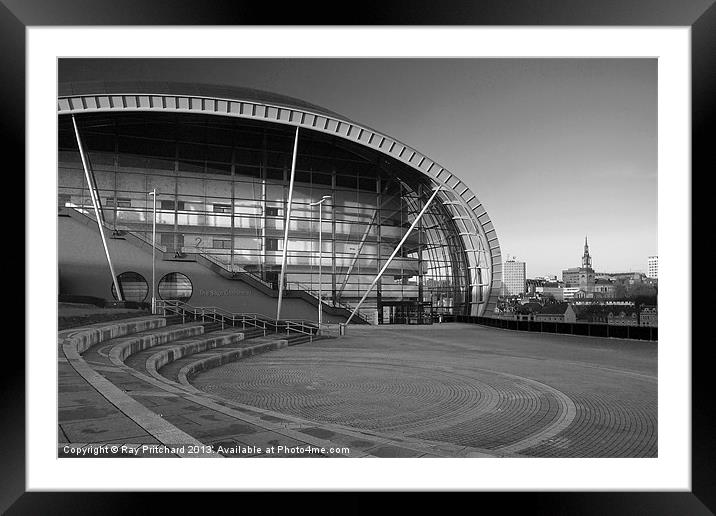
161, 358
168, 371
121, 350
220, 358
88, 336
122, 347
73, 343
187, 345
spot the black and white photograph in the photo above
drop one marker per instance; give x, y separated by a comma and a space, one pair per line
455, 242
357, 258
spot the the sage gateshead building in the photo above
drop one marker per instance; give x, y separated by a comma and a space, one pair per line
230, 168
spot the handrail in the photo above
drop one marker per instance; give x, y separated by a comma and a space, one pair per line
232, 268
301, 286
314, 294
82, 211
219, 263
223, 316
146, 240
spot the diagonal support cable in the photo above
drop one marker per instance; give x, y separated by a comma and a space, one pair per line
395, 251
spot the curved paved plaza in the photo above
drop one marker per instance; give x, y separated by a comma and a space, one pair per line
511, 392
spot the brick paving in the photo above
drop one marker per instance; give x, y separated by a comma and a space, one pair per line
465, 385
111, 397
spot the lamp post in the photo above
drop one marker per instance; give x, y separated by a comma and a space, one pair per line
153, 193
320, 256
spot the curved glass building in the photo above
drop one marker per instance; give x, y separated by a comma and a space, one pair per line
221, 161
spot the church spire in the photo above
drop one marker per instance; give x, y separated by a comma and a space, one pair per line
586, 259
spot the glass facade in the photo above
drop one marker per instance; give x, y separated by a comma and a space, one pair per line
222, 189
175, 286
133, 287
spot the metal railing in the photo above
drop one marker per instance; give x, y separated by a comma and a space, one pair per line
244, 320
233, 269
138, 235
314, 293
293, 285
146, 240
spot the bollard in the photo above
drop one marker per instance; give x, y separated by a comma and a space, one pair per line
341, 329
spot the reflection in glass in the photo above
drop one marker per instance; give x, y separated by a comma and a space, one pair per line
133, 287
175, 286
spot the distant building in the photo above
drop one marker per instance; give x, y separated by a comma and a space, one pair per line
648, 316
603, 302
604, 288
569, 293
570, 277
556, 312
630, 278
581, 277
624, 317
531, 307
513, 277
591, 313
547, 278
599, 311
534, 286
653, 267
553, 290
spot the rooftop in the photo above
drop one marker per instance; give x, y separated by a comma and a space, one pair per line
77, 88
554, 309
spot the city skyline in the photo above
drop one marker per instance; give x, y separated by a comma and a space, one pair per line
554, 148
537, 274
645, 270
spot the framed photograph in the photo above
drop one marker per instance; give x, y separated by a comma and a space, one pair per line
443, 241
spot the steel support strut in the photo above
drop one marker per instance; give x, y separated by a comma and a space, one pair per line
357, 253
285, 228
395, 251
95, 204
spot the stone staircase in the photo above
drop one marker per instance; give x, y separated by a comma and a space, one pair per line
116, 366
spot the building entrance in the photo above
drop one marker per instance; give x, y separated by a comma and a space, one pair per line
405, 312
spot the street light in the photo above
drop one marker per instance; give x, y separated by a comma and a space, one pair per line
153, 193
320, 255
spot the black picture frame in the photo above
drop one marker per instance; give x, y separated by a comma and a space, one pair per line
700, 15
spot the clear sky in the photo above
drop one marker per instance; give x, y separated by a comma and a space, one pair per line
556, 149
